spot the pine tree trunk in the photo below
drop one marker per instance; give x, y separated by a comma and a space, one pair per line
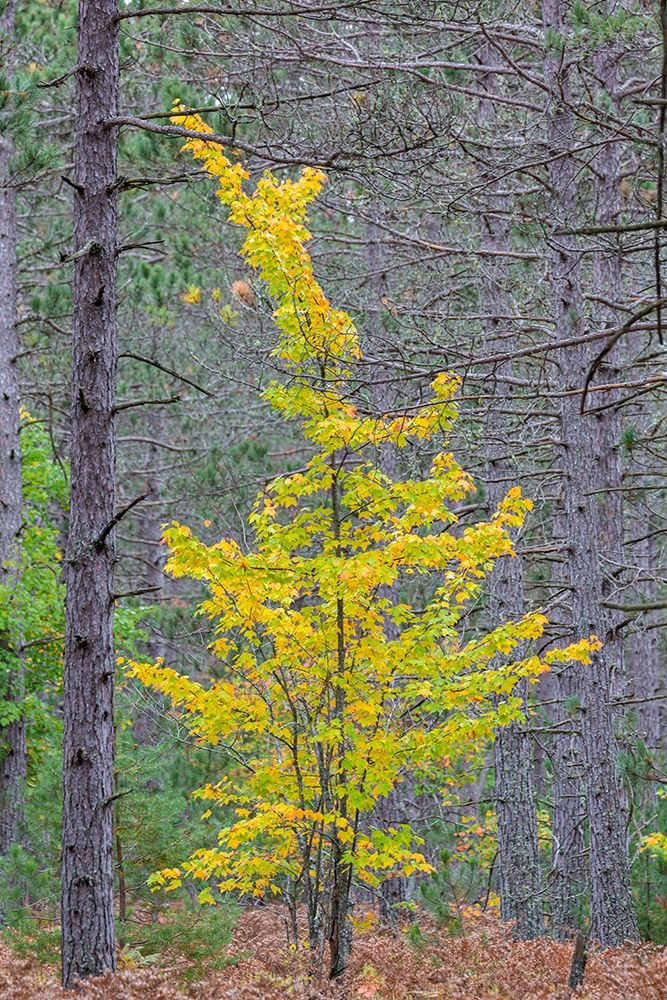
521, 892
520, 877
567, 879
87, 855
608, 285
611, 909
13, 756
645, 668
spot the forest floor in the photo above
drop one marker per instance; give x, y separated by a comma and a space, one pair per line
483, 963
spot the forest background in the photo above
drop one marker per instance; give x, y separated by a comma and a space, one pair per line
494, 210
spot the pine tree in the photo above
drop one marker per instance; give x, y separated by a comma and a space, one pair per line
87, 909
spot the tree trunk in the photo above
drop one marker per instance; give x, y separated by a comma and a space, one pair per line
608, 285
13, 757
611, 909
567, 879
521, 899
87, 856
340, 927
520, 876
646, 676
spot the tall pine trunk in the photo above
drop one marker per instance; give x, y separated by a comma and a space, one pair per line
520, 877
646, 682
13, 755
612, 917
608, 288
88, 946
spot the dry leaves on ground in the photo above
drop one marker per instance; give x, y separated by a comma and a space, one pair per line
482, 964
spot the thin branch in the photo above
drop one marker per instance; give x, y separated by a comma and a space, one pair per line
630, 227
148, 245
146, 402
72, 184
293, 11
135, 593
59, 79
168, 371
611, 343
90, 247
116, 795
101, 538
42, 642
638, 608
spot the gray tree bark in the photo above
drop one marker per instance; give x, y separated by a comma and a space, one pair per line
13, 755
567, 878
88, 946
612, 914
646, 681
608, 287
520, 876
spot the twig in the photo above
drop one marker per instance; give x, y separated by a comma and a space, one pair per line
116, 795
59, 79
630, 227
627, 326
168, 371
42, 642
101, 538
135, 593
146, 402
72, 184
128, 183
148, 245
647, 606
90, 247
326, 8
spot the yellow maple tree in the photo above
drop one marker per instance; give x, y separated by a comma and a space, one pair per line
323, 707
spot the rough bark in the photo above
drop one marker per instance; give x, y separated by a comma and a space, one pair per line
612, 914
520, 877
567, 878
87, 855
647, 681
13, 757
340, 926
608, 286
519, 867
